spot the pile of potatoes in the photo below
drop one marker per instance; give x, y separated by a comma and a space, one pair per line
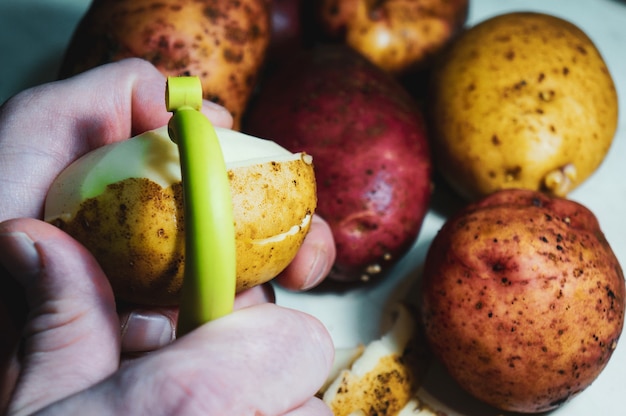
522, 297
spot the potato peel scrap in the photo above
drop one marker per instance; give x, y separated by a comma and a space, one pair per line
381, 378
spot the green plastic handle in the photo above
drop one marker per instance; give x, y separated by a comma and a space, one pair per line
209, 284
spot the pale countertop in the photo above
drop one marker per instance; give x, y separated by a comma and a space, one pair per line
34, 33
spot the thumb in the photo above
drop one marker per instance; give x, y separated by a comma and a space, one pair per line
260, 360
70, 339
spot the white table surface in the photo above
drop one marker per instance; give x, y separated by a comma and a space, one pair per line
33, 36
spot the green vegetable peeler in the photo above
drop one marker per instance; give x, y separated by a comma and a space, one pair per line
209, 284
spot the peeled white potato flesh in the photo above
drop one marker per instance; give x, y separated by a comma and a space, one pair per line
124, 203
380, 379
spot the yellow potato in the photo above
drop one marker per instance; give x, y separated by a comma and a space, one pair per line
124, 203
399, 36
522, 100
222, 42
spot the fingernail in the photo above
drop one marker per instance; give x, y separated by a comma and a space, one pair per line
146, 331
319, 268
19, 256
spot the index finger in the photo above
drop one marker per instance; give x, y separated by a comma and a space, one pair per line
45, 128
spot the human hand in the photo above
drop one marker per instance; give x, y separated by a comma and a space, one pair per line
258, 360
44, 129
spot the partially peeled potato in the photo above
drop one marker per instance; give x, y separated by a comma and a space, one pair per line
124, 203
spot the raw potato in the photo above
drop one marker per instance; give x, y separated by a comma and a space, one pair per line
222, 42
368, 138
522, 100
523, 299
396, 35
124, 203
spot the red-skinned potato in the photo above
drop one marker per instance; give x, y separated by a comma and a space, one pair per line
369, 143
222, 42
523, 299
397, 35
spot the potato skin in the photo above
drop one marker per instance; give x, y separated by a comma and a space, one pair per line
223, 42
368, 140
519, 97
523, 299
